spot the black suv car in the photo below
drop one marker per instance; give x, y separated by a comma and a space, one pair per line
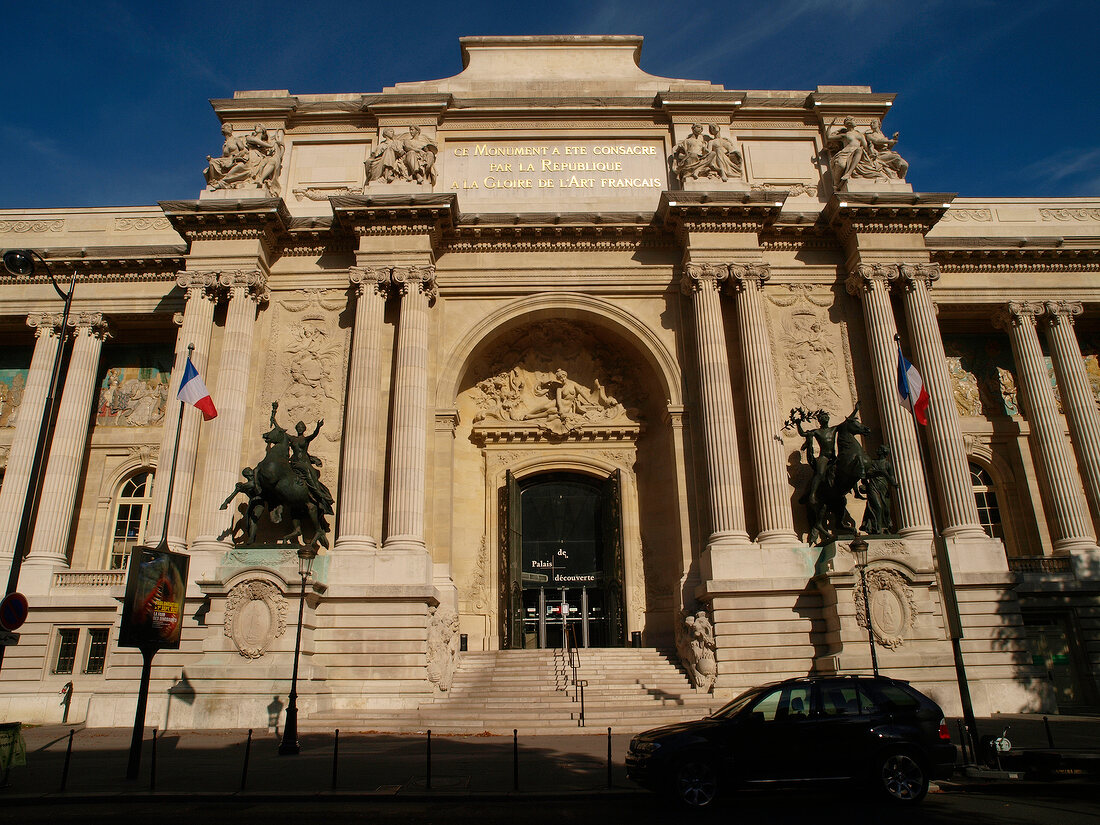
810, 729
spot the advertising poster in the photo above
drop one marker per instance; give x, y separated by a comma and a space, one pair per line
152, 613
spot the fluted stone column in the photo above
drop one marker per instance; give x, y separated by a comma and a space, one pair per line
949, 464
246, 290
724, 494
769, 462
409, 427
1077, 398
360, 461
1071, 530
49, 548
871, 282
195, 324
17, 475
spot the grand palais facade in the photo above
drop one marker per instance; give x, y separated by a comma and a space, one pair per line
557, 328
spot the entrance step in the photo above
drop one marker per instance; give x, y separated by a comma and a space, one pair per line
628, 689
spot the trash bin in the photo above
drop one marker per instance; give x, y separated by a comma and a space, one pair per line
463, 642
636, 638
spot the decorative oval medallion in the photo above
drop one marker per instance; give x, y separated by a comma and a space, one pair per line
255, 615
893, 606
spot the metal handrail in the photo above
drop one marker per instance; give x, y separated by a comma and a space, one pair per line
574, 658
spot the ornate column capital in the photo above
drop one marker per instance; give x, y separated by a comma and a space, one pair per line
94, 321
1016, 314
865, 275
375, 279
415, 277
700, 276
1058, 312
912, 274
205, 281
741, 276
44, 323
252, 281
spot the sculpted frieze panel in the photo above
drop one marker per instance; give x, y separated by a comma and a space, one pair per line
252, 161
409, 156
809, 347
557, 377
864, 154
707, 155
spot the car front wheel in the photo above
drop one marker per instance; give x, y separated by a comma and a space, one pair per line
696, 782
901, 778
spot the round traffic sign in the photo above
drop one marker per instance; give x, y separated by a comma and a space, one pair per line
13, 611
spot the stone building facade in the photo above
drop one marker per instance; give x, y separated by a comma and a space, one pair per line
553, 315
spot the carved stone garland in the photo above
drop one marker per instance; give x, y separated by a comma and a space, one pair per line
255, 616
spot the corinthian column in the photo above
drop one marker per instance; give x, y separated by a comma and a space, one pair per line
49, 549
871, 282
1072, 534
726, 507
768, 461
949, 465
409, 430
17, 475
1077, 398
246, 289
195, 324
360, 463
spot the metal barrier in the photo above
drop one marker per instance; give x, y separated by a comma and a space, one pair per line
574, 658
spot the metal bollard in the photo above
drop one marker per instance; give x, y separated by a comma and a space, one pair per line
68, 758
609, 758
1050, 733
962, 741
428, 784
335, 756
247, 753
515, 759
153, 764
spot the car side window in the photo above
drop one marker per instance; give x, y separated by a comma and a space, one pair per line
838, 700
784, 704
891, 698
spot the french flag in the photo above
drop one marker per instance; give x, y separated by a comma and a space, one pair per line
911, 389
194, 392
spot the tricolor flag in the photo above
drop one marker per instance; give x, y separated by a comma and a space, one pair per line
911, 389
194, 392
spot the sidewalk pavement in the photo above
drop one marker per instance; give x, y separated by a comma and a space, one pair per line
211, 763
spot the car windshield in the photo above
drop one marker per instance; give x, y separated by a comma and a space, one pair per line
732, 708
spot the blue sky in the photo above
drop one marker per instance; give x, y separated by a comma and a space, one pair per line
107, 102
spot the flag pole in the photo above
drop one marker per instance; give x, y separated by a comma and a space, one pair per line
163, 542
947, 585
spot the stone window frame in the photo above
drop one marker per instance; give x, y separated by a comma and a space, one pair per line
120, 499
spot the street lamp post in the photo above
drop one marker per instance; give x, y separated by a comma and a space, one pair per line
289, 745
20, 262
860, 549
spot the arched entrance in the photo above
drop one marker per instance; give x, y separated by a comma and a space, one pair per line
564, 549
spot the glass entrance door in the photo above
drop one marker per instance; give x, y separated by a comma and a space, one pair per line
564, 562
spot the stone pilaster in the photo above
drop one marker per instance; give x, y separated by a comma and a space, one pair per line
1077, 398
246, 290
360, 460
871, 282
725, 504
409, 430
200, 295
49, 549
949, 465
17, 475
1071, 530
769, 462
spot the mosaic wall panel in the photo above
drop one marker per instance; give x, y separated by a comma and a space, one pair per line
133, 391
14, 364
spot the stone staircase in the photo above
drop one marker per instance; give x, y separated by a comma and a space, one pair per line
628, 689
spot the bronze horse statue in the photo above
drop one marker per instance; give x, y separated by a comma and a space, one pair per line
850, 468
275, 485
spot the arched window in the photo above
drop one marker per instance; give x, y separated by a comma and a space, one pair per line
985, 496
130, 515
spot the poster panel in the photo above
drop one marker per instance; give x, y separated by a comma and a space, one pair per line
152, 612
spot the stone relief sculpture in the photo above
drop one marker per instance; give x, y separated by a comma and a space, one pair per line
442, 646
286, 484
706, 156
409, 156
867, 154
247, 162
528, 384
696, 647
893, 606
255, 615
